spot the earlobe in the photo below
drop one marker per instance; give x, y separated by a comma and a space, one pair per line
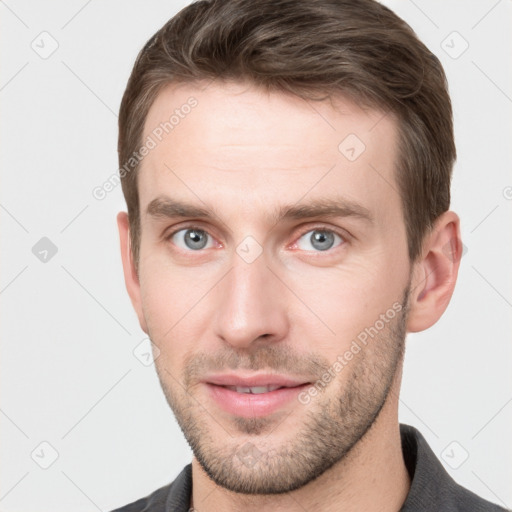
435, 273
131, 278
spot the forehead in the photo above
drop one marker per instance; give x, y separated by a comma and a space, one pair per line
234, 144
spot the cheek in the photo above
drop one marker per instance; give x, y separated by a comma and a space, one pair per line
164, 300
169, 316
347, 300
174, 301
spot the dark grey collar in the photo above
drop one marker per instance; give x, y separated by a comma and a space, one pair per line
432, 488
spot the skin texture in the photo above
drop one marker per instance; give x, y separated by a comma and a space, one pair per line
242, 154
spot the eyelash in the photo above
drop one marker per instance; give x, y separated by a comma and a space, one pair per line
341, 233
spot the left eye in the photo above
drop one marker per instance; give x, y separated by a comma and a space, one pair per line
318, 240
192, 239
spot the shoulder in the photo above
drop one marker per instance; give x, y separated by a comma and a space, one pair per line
155, 502
432, 488
174, 496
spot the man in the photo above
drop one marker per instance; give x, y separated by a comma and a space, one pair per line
286, 166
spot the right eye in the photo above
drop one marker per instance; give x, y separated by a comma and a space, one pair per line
192, 239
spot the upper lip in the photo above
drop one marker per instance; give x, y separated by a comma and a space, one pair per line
267, 379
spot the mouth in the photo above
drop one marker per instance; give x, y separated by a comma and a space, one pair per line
254, 396
255, 390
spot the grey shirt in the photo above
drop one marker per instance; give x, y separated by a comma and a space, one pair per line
432, 488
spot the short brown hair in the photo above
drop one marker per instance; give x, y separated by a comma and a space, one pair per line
314, 49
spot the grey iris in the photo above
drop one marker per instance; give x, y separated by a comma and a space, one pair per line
195, 239
322, 240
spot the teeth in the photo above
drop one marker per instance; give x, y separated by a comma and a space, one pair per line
253, 389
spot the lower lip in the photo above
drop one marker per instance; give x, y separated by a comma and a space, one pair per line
248, 405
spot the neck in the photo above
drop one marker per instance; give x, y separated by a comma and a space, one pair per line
371, 477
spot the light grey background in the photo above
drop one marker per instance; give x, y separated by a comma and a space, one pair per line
69, 375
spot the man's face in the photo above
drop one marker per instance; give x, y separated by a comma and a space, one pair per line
269, 285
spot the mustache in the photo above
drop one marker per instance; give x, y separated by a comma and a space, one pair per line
271, 358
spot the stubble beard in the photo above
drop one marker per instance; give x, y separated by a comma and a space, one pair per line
243, 458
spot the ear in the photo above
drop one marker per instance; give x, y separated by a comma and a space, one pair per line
434, 273
131, 278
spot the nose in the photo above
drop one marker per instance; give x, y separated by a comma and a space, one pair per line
251, 305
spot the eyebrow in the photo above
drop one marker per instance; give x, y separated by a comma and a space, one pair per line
166, 207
